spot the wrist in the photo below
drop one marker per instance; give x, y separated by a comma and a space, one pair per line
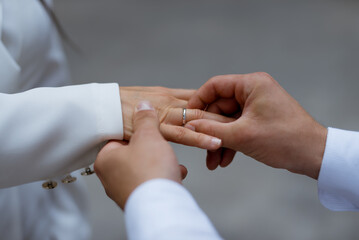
321, 133
315, 151
127, 112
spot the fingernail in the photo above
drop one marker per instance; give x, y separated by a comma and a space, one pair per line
191, 127
143, 105
216, 142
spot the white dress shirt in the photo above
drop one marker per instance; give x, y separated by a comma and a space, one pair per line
338, 182
163, 209
48, 131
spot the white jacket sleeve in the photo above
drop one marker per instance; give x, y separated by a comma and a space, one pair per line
163, 209
49, 132
338, 182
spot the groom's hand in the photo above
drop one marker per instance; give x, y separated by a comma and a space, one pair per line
271, 126
122, 167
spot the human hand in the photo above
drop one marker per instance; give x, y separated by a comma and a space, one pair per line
169, 104
271, 126
121, 167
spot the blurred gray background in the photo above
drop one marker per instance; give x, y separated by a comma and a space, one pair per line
311, 47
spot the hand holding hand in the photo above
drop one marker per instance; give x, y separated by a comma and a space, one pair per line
271, 126
121, 167
169, 104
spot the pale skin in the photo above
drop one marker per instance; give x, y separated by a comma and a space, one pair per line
169, 104
271, 126
122, 167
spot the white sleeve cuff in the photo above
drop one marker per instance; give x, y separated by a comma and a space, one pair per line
338, 182
108, 110
163, 209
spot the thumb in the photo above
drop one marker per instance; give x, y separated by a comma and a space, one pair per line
224, 131
109, 151
145, 121
112, 145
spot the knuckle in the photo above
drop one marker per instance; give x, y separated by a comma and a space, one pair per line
265, 77
164, 115
216, 78
160, 89
198, 114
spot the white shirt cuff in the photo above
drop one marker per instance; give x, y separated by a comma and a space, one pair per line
338, 182
163, 209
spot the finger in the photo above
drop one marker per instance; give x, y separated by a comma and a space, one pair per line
103, 161
184, 171
227, 157
217, 87
214, 108
188, 137
224, 131
112, 145
213, 159
179, 103
224, 106
184, 94
175, 116
145, 122
237, 86
194, 114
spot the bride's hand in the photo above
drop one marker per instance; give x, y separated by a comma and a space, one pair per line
169, 104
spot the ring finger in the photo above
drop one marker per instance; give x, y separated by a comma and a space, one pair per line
175, 116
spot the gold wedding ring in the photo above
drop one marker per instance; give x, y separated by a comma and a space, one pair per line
184, 116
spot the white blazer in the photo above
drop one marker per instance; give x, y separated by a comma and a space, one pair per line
48, 131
